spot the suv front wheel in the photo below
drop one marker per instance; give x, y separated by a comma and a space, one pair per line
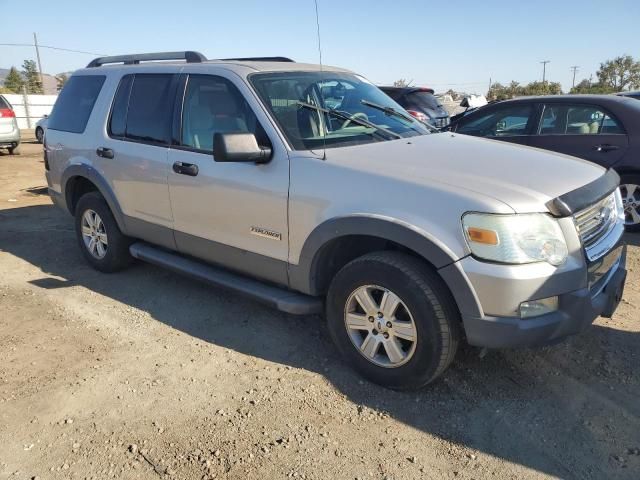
102, 243
393, 319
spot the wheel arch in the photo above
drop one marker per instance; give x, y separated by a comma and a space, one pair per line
337, 241
80, 179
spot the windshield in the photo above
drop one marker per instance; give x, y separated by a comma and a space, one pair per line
330, 109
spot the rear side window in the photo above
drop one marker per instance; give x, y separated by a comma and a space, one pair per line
118, 122
75, 103
422, 100
150, 109
559, 119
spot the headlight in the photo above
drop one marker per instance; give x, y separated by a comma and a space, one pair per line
619, 205
526, 238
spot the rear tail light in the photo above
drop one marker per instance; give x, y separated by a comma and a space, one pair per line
419, 116
7, 113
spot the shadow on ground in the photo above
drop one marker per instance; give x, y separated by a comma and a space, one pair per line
570, 411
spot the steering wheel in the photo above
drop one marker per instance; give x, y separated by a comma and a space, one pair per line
355, 116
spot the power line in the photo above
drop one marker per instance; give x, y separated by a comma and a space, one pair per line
51, 48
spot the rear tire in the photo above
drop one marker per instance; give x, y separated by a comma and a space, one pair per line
630, 189
424, 310
14, 150
102, 243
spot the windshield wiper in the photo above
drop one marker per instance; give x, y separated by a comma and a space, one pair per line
394, 113
359, 121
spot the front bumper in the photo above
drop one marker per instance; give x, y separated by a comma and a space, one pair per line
577, 310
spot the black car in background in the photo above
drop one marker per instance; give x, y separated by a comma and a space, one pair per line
421, 103
635, 94
604, 129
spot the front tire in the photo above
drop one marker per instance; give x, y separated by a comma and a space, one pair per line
14, 150
102, 243
39, 134
630, 190
393, 319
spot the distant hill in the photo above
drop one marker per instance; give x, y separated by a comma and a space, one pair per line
50, 83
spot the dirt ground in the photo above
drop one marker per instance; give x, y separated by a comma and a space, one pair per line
146, 374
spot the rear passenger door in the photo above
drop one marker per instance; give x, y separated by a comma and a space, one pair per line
233, 214
133, 153
509, 122
584, 131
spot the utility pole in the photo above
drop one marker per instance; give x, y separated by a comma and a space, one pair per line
544, 70
488, 91
35, 43
574, 68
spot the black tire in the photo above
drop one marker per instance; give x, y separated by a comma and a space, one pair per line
39, 134
632, 179
117, 255
14, 150
436, 317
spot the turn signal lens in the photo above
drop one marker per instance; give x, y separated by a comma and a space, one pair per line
481, 235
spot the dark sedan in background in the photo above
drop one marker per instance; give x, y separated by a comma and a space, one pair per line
421, 103
604, 129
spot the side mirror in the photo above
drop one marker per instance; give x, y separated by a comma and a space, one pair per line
239, 147
465, 102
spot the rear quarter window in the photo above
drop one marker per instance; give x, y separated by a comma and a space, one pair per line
75, 103
4, 103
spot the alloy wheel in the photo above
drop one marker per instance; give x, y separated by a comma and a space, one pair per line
94, 234
631, 203
380, 326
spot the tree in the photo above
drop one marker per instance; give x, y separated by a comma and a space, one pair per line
585, 86
61, 79
400, 83
13, 81
31, 77
514, 89
620, 73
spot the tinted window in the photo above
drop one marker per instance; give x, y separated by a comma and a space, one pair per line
423, 100
4, 103
74, 104
577, 120
118, 121
214, 105
504, 122
150, 108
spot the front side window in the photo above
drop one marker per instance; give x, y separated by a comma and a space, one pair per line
558, 119
74, 104
318, 110
214, 105
504, 122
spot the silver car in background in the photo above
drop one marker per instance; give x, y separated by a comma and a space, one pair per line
9, 131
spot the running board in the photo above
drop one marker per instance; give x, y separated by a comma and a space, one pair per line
279, 298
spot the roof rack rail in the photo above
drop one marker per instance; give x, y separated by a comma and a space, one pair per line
189, 56
260, 59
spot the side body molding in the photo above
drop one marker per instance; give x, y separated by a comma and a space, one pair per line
304, 276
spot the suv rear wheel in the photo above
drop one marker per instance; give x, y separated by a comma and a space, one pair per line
14, 150
101, 241
393, 319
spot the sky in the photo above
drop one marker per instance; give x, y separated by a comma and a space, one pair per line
460, 45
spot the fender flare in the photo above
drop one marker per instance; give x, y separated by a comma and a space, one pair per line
303, 276
91, 174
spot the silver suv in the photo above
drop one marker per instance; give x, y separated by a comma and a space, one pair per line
305, 187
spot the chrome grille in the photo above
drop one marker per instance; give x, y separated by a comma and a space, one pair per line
595, 222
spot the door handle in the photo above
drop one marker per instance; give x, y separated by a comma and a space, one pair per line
104, 152
605, 147
189, 169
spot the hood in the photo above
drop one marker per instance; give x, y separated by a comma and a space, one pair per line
524, 178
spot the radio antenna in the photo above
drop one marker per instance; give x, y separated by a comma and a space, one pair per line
322, 115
